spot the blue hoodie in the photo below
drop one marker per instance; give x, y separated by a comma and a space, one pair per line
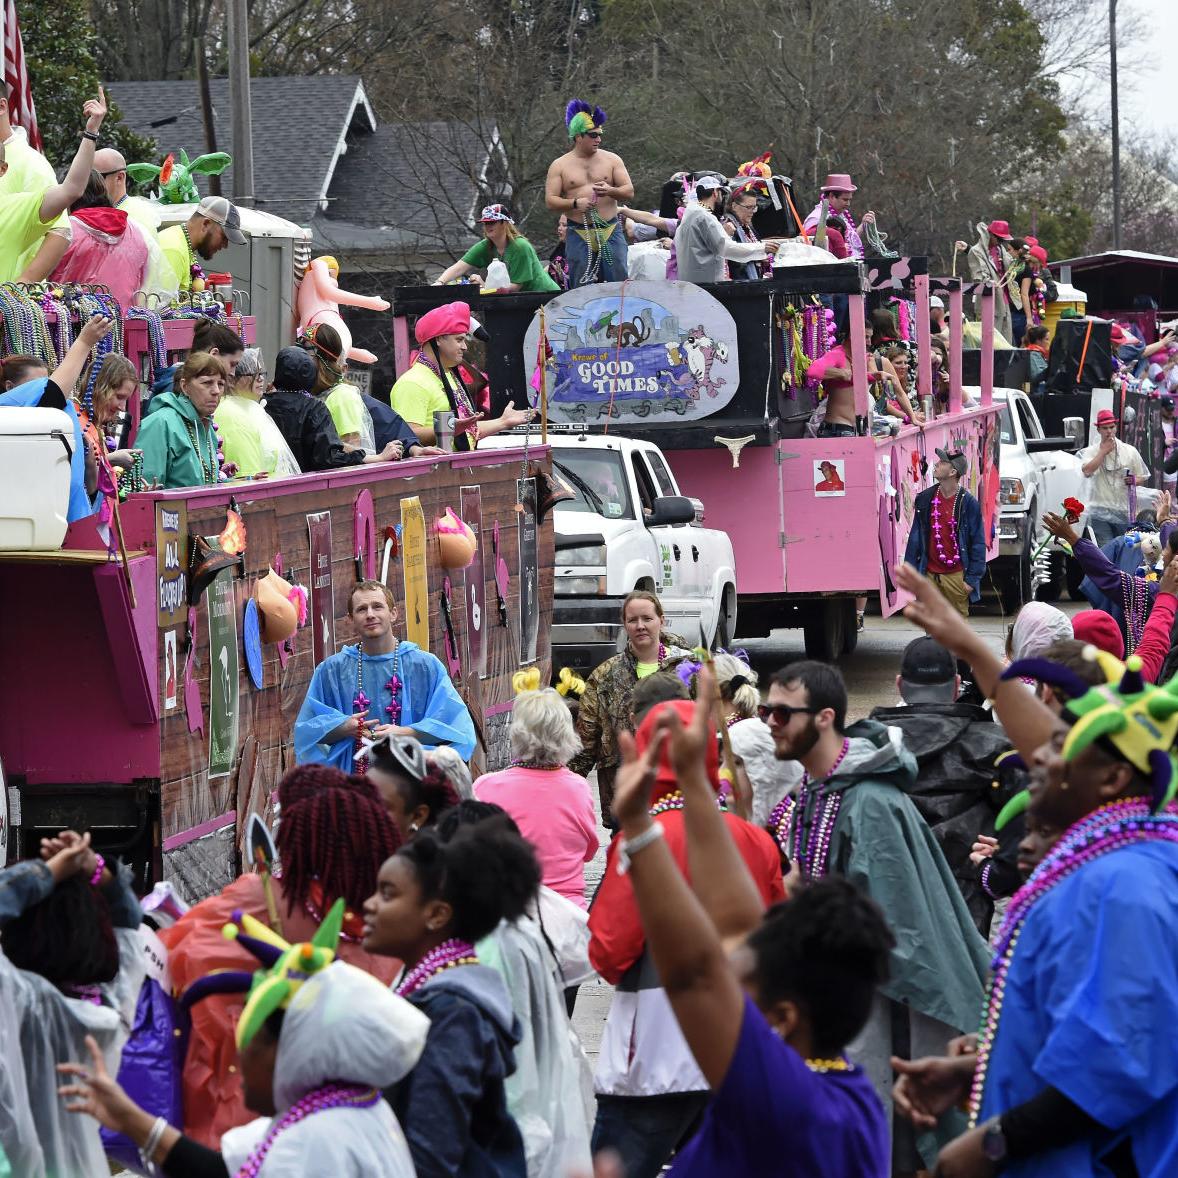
453, 1105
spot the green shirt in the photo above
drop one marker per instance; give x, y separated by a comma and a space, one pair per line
29, 171
243, 446
21, 230
169, 438
347, 409
524, 268
175, 246
418, 395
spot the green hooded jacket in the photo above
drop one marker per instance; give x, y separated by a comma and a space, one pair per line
881, 844
169, 438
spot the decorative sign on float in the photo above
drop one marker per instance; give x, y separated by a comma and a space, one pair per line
639, 351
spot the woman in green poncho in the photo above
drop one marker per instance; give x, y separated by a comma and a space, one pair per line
501, 239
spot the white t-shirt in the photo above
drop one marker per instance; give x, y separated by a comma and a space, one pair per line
1107, 493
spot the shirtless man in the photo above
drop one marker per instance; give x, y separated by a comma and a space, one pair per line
586, 184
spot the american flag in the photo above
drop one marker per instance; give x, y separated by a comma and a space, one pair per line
21, 110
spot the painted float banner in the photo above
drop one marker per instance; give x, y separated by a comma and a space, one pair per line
649, 351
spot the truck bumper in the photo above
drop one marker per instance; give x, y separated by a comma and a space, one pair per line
585, 631
1012, 534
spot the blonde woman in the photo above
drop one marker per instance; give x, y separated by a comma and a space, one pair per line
501, 239
116, 384
605, 707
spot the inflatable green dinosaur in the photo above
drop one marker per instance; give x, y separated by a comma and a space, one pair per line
176, 184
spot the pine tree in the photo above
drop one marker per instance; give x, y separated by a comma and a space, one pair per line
60, 43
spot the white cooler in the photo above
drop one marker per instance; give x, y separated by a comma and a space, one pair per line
36, 446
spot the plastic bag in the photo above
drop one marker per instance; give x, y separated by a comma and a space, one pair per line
567, 928
497, 275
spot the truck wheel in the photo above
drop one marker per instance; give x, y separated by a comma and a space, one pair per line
725, 630
1015, 590
850, 628
824, 629
1073, 576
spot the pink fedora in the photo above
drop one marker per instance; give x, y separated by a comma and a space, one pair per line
838, 182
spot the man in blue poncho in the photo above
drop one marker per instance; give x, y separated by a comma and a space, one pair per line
380, 687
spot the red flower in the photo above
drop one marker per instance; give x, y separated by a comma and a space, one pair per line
1073, 507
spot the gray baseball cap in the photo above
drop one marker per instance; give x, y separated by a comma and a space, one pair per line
225, 213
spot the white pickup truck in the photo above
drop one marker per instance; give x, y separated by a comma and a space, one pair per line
629, 527
1038, 474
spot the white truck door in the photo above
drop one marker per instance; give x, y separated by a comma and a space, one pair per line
669, 551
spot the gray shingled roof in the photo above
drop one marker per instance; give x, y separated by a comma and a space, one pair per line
426, 181
301, 124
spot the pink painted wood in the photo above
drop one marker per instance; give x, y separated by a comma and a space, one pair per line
924, 365
955, 311
858, 322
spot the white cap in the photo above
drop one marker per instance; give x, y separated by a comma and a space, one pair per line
936, 301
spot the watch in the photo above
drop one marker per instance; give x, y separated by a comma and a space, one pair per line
91, 135
994, 1141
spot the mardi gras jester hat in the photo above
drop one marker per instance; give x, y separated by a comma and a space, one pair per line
286, 968
580, 118
1138, 718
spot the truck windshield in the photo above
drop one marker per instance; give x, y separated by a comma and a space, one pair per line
1006, 426
599, 481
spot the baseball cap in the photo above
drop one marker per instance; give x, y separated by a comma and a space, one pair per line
936, 301
1166, 402
492, 213
927, 669
955, 458
708, 184
225, 213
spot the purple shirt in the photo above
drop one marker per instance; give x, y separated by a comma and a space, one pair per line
773, 1116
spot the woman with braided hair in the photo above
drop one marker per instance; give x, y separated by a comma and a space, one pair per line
334, 834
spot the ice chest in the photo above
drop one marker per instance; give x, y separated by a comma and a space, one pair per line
36, 446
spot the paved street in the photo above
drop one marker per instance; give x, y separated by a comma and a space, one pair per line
870, 673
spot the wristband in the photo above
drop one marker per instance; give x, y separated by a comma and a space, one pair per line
628, 848
91, 135
152, 1144
96, 878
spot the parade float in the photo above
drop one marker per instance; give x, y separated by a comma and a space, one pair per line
187, 623
715, 376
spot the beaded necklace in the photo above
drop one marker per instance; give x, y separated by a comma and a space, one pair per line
948, 559
674, 801
778, 822
596, 235
195, 269
659, 658
361, 702
542, 765
1135, 606
812, 854
208, 472
155, 336
328, 1097
448, 955
822, 1066
463, 405
1118, 824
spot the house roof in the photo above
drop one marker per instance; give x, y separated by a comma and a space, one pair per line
1116, 257
427, 182
301, 131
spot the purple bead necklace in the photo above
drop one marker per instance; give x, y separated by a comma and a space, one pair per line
1119, 824
361, 702
812, 860
674, 801
322, 1099
448, 955
946, 558
779, 822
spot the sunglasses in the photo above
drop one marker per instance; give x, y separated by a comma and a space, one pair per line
782, 714
593, 134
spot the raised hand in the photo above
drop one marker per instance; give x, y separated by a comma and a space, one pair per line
635, 777
689, 744
95, 111
96, 328
96, 1091
1059, 527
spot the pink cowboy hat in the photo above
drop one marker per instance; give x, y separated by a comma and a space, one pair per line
838, 182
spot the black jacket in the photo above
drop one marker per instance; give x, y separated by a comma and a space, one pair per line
957, 789
309, 431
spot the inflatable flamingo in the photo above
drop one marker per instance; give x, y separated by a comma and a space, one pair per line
319, 301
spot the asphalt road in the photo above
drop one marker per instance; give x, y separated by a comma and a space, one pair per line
871, 682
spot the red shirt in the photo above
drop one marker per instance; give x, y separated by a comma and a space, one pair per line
948, 537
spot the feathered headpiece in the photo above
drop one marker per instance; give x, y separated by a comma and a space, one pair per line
756, 173
1138, 718
285, 968
580, 118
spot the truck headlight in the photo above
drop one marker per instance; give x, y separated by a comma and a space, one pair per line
578, 587
592, 555
1012, 492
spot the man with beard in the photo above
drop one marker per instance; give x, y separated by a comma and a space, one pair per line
215, 224
854, 818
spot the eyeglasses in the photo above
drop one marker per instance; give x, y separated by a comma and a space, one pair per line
782, 714
116, 172
593, 134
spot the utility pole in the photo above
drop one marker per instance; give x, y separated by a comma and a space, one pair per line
206, 110
239, 100
1112, 53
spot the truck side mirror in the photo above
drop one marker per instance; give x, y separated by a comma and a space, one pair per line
671, 509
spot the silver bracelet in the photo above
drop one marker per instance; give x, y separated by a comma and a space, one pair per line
627, 848
147, 1153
